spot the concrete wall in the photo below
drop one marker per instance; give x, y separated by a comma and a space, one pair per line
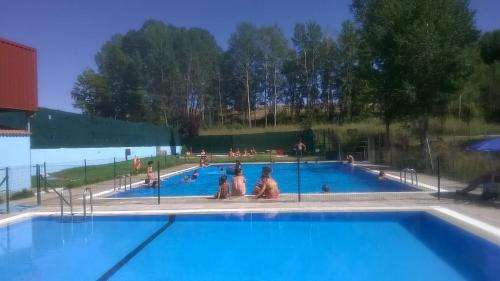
15, 154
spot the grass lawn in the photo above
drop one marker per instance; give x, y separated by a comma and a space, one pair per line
75, 177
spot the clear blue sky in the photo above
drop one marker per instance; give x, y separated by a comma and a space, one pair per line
68, 33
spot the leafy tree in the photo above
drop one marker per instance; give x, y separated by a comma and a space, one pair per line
91, 94
490, 93
307, 38
419, 51
350, 84
489, 44
327, 66
244, 54
274, 48
159, 73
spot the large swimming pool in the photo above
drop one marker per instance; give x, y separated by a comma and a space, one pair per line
251, 246
339, 177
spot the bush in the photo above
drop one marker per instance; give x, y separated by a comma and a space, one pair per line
25, 193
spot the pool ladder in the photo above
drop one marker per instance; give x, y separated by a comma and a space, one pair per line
404, 173
88, 192
63, 200
124, 178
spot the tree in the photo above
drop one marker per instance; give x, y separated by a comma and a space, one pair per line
328, 54
490, 93
307, 39
243, 53
347, 73
274, 48
91, 94
419, 50
489, 45
159, 73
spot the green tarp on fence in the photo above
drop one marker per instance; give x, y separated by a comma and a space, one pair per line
261, 141
57, 129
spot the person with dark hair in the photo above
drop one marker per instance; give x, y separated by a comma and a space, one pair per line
149, 173
300, 148
381, 175
267, 187
325, 188
239, 183
223, 189
349, 159
203, 158
195, 175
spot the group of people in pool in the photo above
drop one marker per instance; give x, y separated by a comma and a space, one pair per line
266, 187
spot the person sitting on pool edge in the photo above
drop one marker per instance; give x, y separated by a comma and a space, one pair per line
349, 159
269, 187
325, 188
223, 189
239, 183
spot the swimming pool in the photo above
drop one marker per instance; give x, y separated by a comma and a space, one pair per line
339, 177
246, 246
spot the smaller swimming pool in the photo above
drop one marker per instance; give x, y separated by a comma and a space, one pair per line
339, 177
246, 246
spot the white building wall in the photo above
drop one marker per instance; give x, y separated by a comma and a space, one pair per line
15, 154
57, 159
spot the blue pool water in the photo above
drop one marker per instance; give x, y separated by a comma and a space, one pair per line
279, 246
340, 178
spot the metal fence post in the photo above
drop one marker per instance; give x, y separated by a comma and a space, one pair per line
298, 177
38, 186
7, 199
45, 176
158, 183
114, 173
85, 171
439, 179
339, 154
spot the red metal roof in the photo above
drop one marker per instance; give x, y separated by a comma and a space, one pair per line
18, 77
14, 133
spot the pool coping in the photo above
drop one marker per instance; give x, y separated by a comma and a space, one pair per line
419, 187
467, 223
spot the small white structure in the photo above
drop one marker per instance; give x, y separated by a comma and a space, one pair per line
15, 154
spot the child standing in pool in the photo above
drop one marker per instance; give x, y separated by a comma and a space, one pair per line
149, 172
223, 190
239, 183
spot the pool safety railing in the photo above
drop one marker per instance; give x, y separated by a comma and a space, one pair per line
88, 192
60, 193
407, 172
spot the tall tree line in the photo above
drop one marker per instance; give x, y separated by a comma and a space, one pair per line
398, 60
